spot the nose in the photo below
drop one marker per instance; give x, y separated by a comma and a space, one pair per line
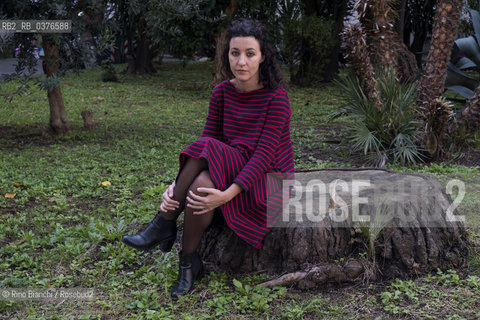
241, 59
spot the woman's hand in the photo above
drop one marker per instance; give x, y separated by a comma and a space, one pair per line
214, 199
168, 204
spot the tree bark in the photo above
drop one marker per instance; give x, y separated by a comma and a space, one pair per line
58, 115
469, 118
444, 32
357, 53
434, 113
87, 117
328, 251
385, 45
141, 62
220, 45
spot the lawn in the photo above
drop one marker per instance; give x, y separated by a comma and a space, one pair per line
71, 198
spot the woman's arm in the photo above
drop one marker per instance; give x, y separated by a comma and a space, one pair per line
213, 123
278, 116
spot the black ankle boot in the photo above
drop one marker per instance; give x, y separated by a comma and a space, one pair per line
160, 231
191, 269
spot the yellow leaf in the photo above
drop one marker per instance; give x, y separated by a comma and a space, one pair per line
106, 183
10, 195
19, 185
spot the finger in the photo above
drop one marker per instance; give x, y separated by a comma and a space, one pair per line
196, 196
165, 207
206, 190
196, 206
202, 211
165, 197
172, 202
169, 207
170, 191
195, 202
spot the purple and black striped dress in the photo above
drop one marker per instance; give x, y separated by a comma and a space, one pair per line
246, 136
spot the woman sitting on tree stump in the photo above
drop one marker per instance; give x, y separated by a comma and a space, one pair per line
246, 135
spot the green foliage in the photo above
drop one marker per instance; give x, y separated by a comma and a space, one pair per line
246, 299
307, 42
386, 135
182, 28
63, 227
408, 298
465, 59
297, 310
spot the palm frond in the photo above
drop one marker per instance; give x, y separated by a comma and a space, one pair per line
383, 135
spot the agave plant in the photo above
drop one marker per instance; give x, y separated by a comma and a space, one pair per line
465, 57
387, 135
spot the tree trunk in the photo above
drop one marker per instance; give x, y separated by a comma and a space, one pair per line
385, 45
357, 53
58, 114
331, 67
87, 117
401, 18
220, 45
444, 33
469, 118
409, 233
141, 62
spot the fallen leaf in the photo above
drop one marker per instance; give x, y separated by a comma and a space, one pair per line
100, 98
19, 185
17, 242
53, 199
10, 195
106, 183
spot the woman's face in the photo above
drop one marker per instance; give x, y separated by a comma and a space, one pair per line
245, 57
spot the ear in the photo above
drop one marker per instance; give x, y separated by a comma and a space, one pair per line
263, 58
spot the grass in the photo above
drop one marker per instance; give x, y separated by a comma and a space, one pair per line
62, 227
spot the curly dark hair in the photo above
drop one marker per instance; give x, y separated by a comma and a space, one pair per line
270, 74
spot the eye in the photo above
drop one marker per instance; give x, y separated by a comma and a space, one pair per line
234, 53
250, 54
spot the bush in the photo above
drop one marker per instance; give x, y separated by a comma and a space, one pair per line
386, 135
308, 41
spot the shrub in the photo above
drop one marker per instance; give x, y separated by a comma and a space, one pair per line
386, 135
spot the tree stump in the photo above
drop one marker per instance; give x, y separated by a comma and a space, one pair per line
87, 117
413, 228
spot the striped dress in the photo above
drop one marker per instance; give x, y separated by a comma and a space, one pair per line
246, 136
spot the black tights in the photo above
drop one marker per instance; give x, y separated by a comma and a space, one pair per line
194, 174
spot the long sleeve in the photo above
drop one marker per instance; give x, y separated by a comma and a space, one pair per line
278, 115
246, 135
214, 123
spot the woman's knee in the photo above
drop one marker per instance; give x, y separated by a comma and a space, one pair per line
202, 180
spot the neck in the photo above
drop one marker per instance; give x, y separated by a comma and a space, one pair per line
245, 86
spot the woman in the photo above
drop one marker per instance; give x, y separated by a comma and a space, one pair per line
246, 135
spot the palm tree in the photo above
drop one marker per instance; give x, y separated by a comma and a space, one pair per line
469, 118
435, 113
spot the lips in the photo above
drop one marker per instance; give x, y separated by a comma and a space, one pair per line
241, 71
